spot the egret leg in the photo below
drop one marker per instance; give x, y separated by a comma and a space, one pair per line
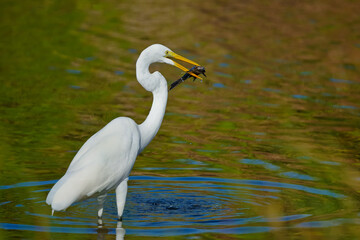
120, 231
101, 200
121, 192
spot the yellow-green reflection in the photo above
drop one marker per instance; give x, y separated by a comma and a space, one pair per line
280, 105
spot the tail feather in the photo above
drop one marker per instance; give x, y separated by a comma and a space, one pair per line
65, 192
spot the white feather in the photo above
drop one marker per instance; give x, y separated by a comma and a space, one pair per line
105, 160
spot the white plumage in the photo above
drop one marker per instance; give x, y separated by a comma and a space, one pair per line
104, 162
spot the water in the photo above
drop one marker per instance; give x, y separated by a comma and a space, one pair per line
265, 148
172, 206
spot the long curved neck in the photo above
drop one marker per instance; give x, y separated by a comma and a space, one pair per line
152, 123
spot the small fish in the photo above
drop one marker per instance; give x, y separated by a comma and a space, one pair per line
197, 70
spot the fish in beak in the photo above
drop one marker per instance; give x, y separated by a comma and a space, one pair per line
193, 72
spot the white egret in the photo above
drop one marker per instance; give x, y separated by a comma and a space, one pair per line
104, 162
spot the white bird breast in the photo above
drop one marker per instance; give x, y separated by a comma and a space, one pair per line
110, 154
101, 164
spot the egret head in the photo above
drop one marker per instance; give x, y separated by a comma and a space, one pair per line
162, 54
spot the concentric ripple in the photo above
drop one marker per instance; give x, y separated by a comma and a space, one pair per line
160, 206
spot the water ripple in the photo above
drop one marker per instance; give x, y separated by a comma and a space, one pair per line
171, 206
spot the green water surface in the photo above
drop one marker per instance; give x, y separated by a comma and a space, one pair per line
267, 146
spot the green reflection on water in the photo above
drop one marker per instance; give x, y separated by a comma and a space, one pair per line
289, 72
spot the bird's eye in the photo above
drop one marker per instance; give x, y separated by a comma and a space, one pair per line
166, 52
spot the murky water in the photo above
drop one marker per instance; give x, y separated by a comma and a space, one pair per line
267, 147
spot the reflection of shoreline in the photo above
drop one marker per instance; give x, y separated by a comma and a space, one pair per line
120, 232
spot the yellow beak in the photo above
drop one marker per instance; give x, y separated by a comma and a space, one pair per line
177, 56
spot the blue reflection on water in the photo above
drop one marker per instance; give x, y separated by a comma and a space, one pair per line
190, 161
330, 163
299, 96
328, 223
260, 162
294, 217
336, 80
75, 87
296, 175
223, 65
181, 181
272, 167
247, 81
73, 71
3, 203
28, 184
218, 85
345, 107
171, 206
118, 72
246, 182
297, 187
132, 50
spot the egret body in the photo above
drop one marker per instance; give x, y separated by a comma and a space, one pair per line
104, 162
